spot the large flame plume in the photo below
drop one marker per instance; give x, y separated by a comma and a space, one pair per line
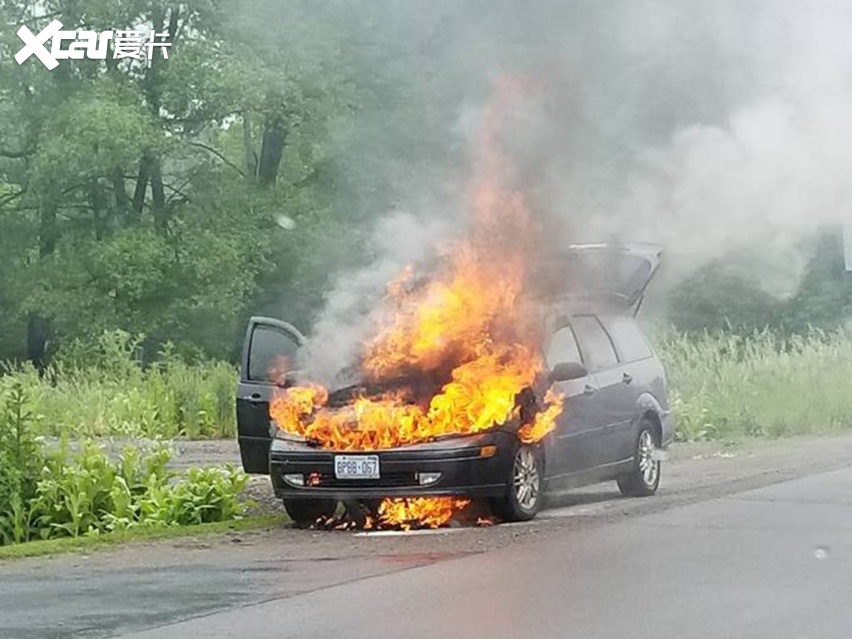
454, 350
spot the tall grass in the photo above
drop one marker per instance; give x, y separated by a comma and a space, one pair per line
726, 386
722, 386
106, 392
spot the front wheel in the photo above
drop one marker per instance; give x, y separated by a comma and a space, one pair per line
306, 512
644, 479
524, 488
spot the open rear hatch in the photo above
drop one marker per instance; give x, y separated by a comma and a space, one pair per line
614, 273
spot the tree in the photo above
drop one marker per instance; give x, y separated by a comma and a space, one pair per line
144, 196
716, 298
824, 298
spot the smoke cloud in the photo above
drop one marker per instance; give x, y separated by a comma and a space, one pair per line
353, 304
755, 184
720, 130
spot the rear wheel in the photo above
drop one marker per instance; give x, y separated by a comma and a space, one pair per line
524, 488
644, 479
306, 512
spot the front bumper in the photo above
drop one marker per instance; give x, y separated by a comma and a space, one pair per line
463, 469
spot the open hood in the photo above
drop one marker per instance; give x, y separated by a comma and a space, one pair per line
615, 273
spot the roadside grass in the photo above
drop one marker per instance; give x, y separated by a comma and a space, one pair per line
723, 387
730, 387
104, 391
91, 543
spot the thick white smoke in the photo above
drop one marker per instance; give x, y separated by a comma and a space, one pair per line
774, 174
769, 174
354, 302
720, 129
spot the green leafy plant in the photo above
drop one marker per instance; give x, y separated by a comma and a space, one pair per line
205, 495
62, 492
91, 494
21, 459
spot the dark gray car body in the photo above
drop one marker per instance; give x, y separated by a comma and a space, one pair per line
596, 432
622, 386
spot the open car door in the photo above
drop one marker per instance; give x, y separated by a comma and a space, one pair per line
269, 354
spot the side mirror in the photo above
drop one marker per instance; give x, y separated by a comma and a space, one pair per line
565, 371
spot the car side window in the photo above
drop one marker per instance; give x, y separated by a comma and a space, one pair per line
563, 348
595, 344
272, 353
629, 340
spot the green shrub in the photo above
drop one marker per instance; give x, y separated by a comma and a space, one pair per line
205, 495
21, 459
64, 493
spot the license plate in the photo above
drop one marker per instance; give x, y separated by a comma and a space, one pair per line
356, 466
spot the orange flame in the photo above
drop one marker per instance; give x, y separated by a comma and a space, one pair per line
464, 337
420, 512
405, 514
481, 395
544, 421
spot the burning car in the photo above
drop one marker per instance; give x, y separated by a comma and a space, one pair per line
484, 384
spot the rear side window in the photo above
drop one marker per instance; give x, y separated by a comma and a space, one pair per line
595, 344
629, 340
563, 348
272, 353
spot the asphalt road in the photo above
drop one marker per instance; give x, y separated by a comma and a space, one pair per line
746, 544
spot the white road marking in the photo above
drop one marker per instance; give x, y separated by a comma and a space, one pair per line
577, 511
396, 533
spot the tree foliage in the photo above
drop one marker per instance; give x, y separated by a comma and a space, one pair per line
143, 196
149, 198
719, 298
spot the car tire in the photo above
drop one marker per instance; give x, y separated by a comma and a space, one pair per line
306, 512
524, 485
644, 479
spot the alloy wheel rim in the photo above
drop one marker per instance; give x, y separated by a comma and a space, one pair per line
648, 467
526, 479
